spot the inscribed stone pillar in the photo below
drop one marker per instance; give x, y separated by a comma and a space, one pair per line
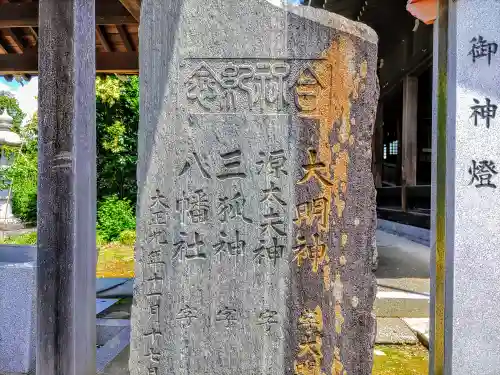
465, 334
256, 197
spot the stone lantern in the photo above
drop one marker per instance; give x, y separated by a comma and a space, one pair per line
11, 139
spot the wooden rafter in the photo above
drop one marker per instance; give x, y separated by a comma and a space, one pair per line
19, 37
33, 33
101, 34
106, 62
17, 41
19, 44
125, 38
2, 49
26, 14
11, 34
134, 8
32, 30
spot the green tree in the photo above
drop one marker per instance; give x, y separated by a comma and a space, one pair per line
117, 104
113, 217
117, 123
10, 103
23, 173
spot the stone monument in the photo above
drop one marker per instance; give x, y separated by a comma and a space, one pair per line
11, 139
465, 303
256, 211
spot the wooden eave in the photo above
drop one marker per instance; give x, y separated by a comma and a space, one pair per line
117, 37
117, 25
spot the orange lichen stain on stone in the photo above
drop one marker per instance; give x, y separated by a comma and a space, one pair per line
345, 129
326, 277
324, 91
310, 354
342, 260
321, 95
336, 107
343, 240
363, 70
316, 253
336, 148
339, 318
340, 180
338, 289
332, 96
337, 366
338, 292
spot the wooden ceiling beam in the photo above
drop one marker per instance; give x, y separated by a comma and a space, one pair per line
19, 44
112, 14
33, 33
32, 30
101, 34
117, 62
134, 8
26, 14
2, 49
17, 41
106, 62
125, 38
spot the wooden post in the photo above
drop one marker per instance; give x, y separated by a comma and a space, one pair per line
378, 146
409, 136
66, 335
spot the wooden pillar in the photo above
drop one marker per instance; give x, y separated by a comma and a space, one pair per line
409, 131
409, 136
378, 146
66, 337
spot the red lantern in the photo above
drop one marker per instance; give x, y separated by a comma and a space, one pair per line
424, 10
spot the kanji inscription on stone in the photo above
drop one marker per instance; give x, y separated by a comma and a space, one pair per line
259, 139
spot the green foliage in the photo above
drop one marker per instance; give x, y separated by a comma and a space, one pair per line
117, 123
117, 107
127, 237
108, 89
23, 173
113, 138
99, 240
9, 102
23, 239
114, 215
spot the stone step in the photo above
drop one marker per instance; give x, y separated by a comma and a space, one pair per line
398, 304
394, 331
420, 326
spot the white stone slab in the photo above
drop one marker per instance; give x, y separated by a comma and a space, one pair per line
468, 190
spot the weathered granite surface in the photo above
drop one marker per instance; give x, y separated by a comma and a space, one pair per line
256, 213
465, 258
17, 309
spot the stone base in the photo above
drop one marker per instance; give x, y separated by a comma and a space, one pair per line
18, 316
419, 235
17, 308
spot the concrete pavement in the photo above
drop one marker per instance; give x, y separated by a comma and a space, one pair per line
402, 304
